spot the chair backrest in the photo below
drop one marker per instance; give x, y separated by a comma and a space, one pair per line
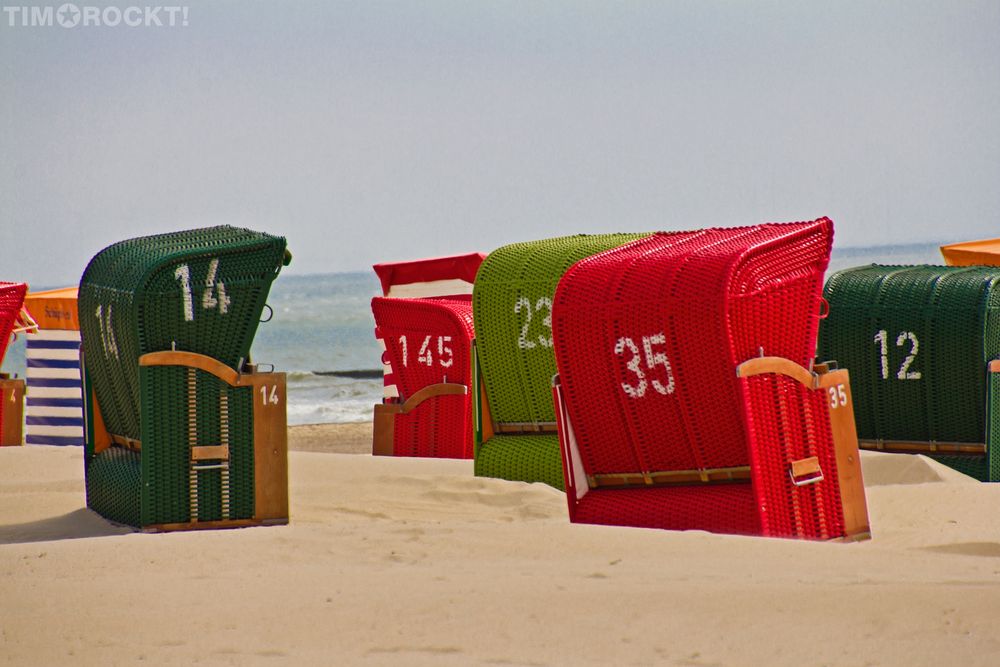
648, 337
428, 341
201, 290
419, 278
512, 303
917, 340
11, 301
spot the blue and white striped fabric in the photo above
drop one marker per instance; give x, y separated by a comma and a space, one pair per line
54, 403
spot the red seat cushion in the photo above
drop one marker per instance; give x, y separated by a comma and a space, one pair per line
720, 508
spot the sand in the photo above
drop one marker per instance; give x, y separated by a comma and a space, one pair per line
417, 562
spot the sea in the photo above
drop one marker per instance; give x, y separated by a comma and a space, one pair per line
319, 329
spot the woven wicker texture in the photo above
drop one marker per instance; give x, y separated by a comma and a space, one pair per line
722, 508
428, 341
11, 300
975, 466
201, 291
787, 422
648, 336
993, 431
114, 482
917, 340
524, 458
512, 301
152, 486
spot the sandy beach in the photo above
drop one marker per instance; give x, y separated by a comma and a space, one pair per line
416, 562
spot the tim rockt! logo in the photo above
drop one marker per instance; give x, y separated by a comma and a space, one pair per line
69, 15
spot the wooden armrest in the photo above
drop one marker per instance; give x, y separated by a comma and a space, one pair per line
383, 427
193, 360
781, 365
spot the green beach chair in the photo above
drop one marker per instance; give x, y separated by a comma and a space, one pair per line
922, 343
513, 358
196, 435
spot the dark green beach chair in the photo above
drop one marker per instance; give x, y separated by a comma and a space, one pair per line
921, 343
197, 436
514, 361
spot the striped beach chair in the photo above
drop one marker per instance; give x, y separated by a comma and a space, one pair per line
687, 397
197, 436
923, 346
13, 319
512, 301
54, 403
423, 323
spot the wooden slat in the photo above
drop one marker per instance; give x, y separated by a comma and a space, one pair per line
845, 444
526, 428
210, 452
919, 447
270, 445
126, 442
384, 428
12, 395
213, 525
488, 426
805, 467
670, 477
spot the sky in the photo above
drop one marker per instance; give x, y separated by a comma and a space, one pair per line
378, 131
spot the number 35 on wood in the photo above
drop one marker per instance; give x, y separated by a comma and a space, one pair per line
213, 287
649, 362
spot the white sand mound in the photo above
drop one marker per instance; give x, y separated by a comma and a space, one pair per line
880, 469
415, 562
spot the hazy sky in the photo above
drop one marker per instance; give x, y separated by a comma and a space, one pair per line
372, 131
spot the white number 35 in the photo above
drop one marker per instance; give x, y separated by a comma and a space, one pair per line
838, 396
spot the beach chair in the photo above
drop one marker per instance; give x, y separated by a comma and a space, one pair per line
13, 320
514, 364
197, 435
686, 396
423, 323
420, 278
923, 344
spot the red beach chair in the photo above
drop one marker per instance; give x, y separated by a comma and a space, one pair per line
424, 323
686, 396
13, 319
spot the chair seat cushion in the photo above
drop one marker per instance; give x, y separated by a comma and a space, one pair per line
527, 458
717, 508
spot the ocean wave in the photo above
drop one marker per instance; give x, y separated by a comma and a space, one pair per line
341, 411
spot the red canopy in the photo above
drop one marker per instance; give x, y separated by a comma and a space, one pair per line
462, 267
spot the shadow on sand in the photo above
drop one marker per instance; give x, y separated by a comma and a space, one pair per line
75, 525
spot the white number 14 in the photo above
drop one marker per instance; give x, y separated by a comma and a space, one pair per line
271, 397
